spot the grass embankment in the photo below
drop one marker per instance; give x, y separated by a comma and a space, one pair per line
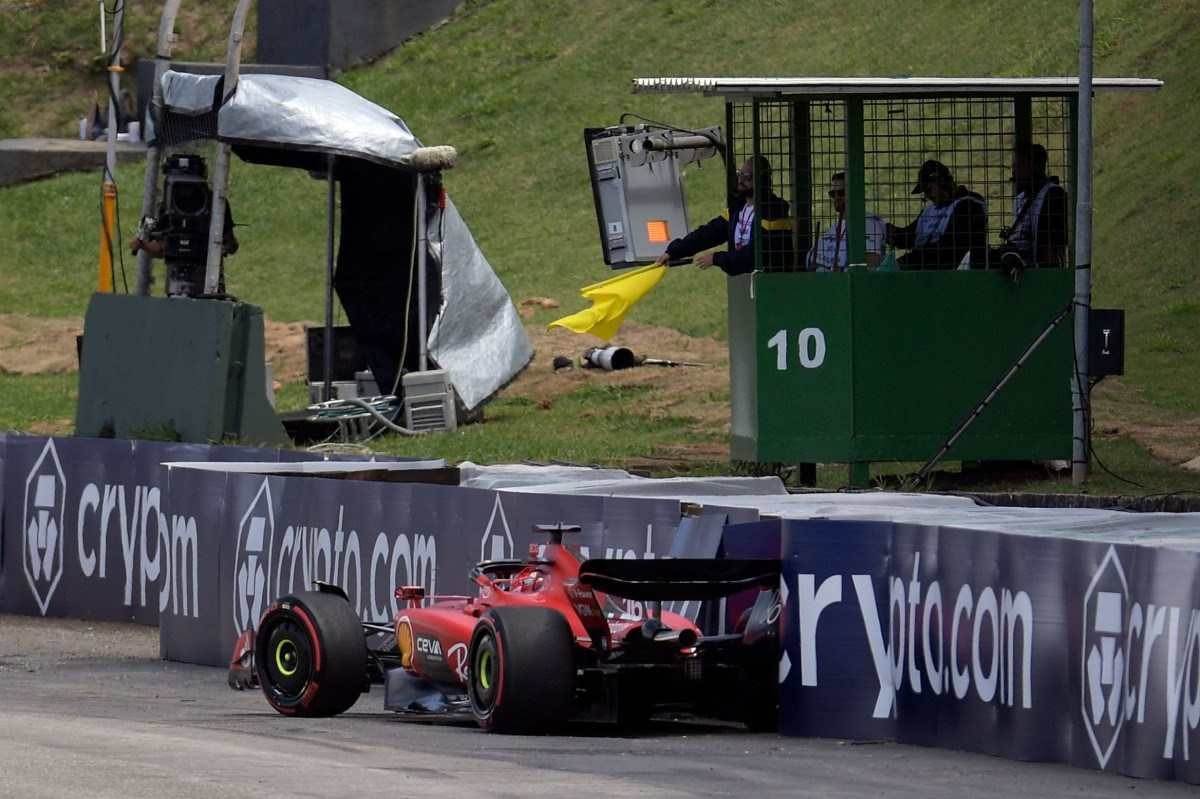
512, 83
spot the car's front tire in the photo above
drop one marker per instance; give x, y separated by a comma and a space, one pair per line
311, 655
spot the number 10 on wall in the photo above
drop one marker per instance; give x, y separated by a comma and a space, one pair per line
810, 345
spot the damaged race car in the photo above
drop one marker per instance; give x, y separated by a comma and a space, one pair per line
546, 640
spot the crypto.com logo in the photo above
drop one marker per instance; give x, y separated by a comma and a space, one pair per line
1105, 666
497, 541
252, 566
45, 500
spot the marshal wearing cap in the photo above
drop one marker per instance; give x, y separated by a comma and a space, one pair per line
933, 172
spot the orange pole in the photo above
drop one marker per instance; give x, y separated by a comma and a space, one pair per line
107, 244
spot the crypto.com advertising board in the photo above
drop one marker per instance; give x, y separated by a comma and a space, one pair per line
1034, 648
260, 537
86, 529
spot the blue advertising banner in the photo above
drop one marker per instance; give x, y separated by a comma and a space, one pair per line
267, 536
3, 439
85, 531
1032, 648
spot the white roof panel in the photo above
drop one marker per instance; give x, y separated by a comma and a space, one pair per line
877, 86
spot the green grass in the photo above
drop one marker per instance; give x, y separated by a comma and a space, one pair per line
52, 68
512, 84
598, 425
1120, 467
37, 402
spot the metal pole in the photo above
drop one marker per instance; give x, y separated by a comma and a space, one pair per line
108, 233
1081, 438
978, 409
162, 59
330, 212
422, 246
114, 89
220, 180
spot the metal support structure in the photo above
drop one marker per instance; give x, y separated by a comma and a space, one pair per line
162, 60
801, 153
108, 231
422, 234
731, 155
1022, 121
856, 186
856, 226
220, 179
330, 215
927, 467
114, 90
758, 186
1081, 435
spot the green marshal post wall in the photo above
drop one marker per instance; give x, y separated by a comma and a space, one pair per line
884, 366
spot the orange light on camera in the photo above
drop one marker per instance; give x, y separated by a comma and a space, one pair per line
657, 231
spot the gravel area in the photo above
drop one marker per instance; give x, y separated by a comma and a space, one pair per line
30, 643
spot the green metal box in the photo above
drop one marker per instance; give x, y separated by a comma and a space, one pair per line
883, 366
185, 369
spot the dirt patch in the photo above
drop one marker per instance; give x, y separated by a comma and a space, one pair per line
36, 345
287, 350
696, 392
1170, 436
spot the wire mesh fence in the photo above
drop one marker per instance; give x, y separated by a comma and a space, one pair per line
948, 182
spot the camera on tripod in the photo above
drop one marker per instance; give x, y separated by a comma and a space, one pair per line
182, 224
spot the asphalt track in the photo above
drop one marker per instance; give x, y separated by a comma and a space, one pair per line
86, 709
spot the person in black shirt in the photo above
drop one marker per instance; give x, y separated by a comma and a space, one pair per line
736, 228
1038, 233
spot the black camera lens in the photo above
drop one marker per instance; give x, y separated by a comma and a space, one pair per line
189, 199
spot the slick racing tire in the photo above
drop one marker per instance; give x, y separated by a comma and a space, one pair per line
522, 671
311, 655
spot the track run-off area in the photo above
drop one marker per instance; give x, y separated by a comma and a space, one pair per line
88, 709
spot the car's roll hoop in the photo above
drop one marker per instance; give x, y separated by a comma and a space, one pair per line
556, 530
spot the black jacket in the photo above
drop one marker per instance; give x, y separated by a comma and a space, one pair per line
966, 231
776, 237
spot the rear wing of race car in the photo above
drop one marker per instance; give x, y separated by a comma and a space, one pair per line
670, 579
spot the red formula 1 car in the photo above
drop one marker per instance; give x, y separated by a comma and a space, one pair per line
543, 642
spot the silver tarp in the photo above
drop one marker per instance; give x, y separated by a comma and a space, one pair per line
477, 336
769, 497
295, 113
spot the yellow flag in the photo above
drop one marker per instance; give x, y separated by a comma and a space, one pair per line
611, 300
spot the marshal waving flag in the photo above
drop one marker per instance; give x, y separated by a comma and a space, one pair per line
611, 300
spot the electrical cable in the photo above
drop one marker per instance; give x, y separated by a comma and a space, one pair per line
120, 250
1090, 421
114, 57
382, 419
340, 448
412, 279
109, 242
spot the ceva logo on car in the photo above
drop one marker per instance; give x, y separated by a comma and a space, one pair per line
252, 566
45, 502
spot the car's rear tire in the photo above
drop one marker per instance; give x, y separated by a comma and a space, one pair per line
522, 671
311, 655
